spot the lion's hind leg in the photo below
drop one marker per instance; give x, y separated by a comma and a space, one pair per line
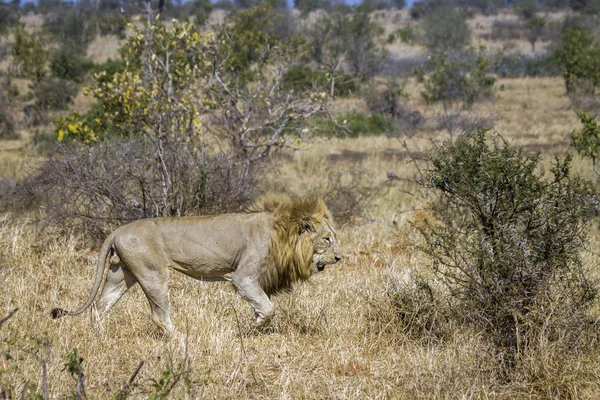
154, 281
118, 280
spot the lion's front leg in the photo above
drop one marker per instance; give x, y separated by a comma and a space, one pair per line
256, 297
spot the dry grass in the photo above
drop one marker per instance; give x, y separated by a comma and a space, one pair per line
104, 47
336, 336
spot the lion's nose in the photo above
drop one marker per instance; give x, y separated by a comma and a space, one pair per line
337, 258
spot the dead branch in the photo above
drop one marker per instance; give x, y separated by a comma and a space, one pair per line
9, 316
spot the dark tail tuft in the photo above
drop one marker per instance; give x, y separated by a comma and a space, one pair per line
57, 313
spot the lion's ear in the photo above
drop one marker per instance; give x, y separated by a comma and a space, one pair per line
307, 225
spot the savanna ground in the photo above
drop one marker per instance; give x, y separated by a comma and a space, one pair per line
336, 336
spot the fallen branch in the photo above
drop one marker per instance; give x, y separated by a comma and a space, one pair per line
9, 316
122, 395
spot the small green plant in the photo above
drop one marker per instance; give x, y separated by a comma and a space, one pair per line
13, 92
387, 100
171, 376
110, 23
74, 366
587, 140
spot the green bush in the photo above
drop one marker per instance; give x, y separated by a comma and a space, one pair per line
357, 124
110, 23
505, 240
54, 93
579, 57
387, 100
446, 30
29, 54
448, 80
72, 26
68, 64
303, 78
351, 36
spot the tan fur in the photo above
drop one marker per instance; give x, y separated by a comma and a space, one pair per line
278, 240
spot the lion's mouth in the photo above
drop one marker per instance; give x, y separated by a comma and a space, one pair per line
321, 264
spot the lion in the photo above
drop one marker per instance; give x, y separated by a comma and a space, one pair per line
277, 241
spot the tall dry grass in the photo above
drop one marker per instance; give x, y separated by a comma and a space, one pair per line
337, 336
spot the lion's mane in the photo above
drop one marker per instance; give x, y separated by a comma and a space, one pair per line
290, 251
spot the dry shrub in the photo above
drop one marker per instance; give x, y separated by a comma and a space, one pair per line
93, 189
347, 194
560, 348
457, 120
54, 93
419, 305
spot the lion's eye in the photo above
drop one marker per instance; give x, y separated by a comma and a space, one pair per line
328, 239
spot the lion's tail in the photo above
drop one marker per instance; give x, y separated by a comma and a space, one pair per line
102, 263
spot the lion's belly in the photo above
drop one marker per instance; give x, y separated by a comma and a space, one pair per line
205, 267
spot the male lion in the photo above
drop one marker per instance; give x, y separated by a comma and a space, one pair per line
278, 241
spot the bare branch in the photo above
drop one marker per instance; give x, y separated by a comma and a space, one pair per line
9, 316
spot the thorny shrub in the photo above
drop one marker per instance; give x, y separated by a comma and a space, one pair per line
505, 242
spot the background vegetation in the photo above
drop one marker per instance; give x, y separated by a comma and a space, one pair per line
454, 142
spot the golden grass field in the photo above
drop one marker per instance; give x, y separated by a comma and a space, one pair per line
336, 336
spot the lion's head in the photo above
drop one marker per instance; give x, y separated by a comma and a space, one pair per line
303, 240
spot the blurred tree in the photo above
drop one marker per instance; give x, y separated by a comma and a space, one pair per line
526, 8
29, 54
579, 57
9, 16
446, 30
349, 36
